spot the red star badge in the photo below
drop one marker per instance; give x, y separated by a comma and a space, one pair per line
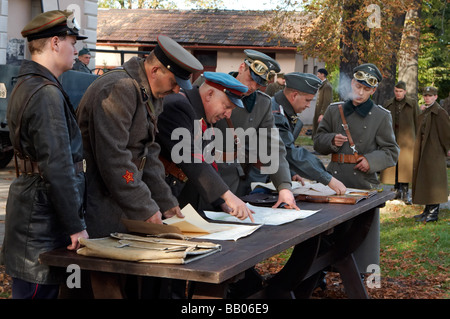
128, 176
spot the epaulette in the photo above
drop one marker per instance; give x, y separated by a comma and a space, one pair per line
386, 110
336, 103
264, 94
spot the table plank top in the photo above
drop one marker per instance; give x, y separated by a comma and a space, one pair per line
235, 256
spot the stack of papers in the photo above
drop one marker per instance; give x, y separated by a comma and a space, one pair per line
193, 225
265, 215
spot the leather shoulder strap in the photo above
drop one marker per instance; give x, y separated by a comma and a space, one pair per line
347, 131
28, 95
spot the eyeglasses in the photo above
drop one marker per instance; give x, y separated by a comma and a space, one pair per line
261, 69
363, 76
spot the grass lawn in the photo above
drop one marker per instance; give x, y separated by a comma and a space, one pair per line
415, 257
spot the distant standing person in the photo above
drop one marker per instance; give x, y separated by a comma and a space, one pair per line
278, 85
430, 185
324, 98
82, 62
404, 111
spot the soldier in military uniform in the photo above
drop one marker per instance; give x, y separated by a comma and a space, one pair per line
82, 62
295, 98
117, 117
324, 98
360, 149
197, 175
404, 111
278, 85
255, 72
45, 207
429, 186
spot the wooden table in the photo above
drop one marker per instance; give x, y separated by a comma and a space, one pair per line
327, 238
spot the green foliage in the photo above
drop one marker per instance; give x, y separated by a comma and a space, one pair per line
434, 59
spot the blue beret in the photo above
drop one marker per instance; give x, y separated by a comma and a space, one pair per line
233, 88
303, 82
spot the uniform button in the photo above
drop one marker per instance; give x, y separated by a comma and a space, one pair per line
335, 172
365, 126
250, 119
370, 113
360, 141
354, 173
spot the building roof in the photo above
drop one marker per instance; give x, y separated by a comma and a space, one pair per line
202, 28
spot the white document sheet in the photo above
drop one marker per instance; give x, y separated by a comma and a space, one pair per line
265, 215
194, 226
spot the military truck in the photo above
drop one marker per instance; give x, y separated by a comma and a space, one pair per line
14, 51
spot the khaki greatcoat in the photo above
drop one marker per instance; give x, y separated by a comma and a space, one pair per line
405, 126
432, 144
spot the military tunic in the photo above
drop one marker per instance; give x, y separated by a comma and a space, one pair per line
185, 110
404, 121
301, 161
256, 114
430, 152
125, 178
370, 126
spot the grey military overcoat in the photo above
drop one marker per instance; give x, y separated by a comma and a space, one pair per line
125, 178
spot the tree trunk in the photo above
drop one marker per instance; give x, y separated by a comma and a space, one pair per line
408, 68
349, 45
385, 90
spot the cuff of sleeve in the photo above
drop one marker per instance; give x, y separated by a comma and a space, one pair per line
285, 186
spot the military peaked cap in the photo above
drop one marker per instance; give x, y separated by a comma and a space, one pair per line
430, 90
368, 74
262, 67
177, 60
303, 82
52, 23
233, 88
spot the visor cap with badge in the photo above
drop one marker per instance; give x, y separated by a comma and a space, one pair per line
234, 89
262, 67
52, 23
303, 82
177, 60
367, 74
430, 90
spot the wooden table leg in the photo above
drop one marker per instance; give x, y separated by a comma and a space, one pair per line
106, 285
351, 278
210, 291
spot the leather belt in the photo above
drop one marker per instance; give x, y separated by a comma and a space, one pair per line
172, 169
345, 158
27, 166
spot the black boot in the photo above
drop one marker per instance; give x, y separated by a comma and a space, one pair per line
397, 191
423, 216
432, 213
405, 194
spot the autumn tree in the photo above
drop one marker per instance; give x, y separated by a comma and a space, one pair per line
350, 32
137, 4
